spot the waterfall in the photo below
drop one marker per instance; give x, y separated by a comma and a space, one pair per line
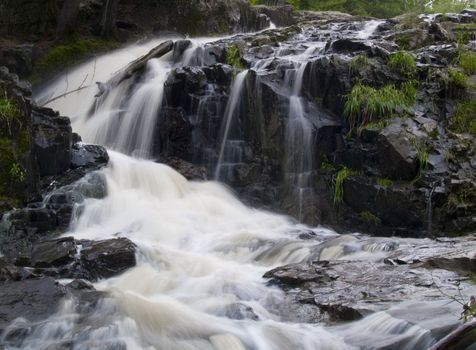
369, 28
231, 113
201, 253
299, 142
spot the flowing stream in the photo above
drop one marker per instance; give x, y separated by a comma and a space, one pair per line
201, 252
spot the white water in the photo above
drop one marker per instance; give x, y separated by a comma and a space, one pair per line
201, 252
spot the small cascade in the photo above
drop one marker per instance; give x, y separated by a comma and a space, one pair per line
299, 143
369, 28
231, 149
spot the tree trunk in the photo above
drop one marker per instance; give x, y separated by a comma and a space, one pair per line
108, 23
68, 15
460, 338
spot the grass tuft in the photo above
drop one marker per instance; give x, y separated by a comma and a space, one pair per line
402, 63
365, 104
464, 118
338, 183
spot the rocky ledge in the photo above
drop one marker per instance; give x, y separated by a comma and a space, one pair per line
341, 284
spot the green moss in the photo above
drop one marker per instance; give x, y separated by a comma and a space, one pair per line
370, 218
456, 83
377, 124
338, 183
402, 63
233, 57
464, 118
365, 104
69, 52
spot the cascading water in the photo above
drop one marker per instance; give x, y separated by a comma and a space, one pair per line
230, 152
201, 252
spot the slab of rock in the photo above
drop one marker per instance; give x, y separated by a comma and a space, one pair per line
103, 259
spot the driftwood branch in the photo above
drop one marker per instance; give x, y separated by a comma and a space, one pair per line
63, 95
461, 337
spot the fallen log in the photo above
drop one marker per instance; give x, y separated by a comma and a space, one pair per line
459, 339
140, 63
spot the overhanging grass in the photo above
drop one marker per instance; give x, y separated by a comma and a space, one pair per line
365, 104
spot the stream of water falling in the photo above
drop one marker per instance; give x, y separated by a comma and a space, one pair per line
201, 252
230, 152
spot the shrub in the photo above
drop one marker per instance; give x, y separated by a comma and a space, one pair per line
365, 104
402, 63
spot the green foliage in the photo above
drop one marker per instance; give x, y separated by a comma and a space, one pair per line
464, 118
465, 32
338, 183
467, 60
71, 51
365, 104
370, 218
233, 57
376, 8
402, 63
445, 6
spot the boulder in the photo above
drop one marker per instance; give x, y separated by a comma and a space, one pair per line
31, 299
398, 158
103, 259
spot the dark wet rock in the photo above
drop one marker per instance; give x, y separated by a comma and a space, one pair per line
88, 156
342, 292
18, 59
180, 46
280, 15
52, 138
69, 258
103, 259
10, 272
53, 253
31, 299
188, 170
398, 156
298, 274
